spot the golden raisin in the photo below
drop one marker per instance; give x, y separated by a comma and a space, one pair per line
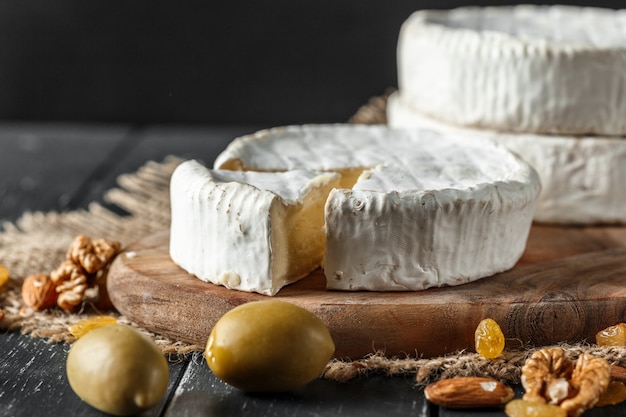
82, 327
4, 275
523, 408
489, 339
614, 394
612, 336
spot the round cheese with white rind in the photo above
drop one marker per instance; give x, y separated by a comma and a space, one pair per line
525, 68
249, 231
416, 208
582, 176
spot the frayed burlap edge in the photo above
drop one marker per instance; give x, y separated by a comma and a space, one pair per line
37, 242
374, 111
506, 368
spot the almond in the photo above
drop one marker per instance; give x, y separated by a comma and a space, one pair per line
468, 392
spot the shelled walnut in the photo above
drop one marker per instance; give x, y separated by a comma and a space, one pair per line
590, 379
85, 267
550, 377
71, 281
94, 255
544, 375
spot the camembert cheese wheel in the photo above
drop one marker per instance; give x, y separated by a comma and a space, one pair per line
251, 231
415, 208
582, 176
525, 68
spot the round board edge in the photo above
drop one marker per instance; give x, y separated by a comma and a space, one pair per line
149, 289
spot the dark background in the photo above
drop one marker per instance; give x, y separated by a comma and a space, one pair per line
205, 62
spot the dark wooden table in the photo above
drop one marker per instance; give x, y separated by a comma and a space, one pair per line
62, 167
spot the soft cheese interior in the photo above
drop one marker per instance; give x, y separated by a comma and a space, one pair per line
250, 231
417, 209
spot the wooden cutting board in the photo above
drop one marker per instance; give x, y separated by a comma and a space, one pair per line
570, 283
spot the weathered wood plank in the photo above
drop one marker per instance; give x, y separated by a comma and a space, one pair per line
45, 166
203, 143
154, 144
200, 393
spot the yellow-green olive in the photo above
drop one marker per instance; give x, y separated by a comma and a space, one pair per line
268, 346
118, 370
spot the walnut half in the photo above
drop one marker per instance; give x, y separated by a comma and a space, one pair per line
590, 379
544, 374
550, 377
92, 255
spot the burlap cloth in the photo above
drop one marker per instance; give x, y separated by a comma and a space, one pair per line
37, 242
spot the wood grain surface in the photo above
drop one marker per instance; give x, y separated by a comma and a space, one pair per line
570, 283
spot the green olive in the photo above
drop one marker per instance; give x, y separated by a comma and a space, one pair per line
268, 346
118, 370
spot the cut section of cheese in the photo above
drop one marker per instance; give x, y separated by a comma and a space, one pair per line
250, 231
525, 68
582, 176
426, 210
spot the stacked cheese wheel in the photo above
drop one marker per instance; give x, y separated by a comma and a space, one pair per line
378, 208
548, 82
